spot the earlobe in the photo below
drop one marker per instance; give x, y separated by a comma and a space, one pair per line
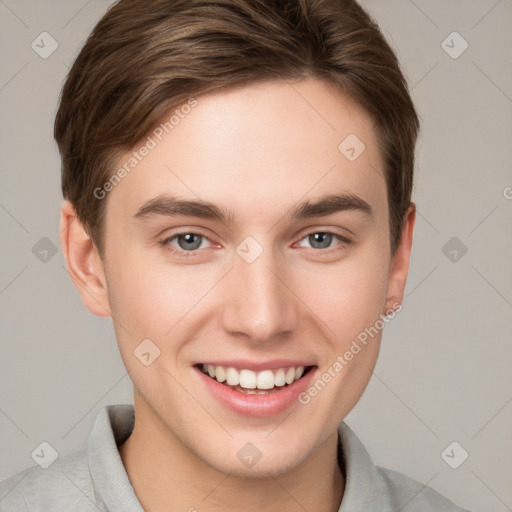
400, 263
83, 262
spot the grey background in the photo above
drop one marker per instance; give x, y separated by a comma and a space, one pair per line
444, 369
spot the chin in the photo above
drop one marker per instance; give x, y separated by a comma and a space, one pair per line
258, 459
272, 467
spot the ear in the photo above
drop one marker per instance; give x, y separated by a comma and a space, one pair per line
399, 266
83, 262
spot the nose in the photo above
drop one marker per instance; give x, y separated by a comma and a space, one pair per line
260, 304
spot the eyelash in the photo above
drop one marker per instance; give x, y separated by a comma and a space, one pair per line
188, 254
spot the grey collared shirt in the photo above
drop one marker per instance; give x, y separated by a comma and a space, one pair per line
94, 478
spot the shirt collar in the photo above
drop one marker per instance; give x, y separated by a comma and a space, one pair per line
112, 427
364, 487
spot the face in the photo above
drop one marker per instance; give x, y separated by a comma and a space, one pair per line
253, 285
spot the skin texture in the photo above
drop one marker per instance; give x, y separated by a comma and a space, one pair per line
258, 151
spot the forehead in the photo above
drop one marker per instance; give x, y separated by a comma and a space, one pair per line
258, 149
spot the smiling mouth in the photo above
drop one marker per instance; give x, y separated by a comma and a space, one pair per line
255, 383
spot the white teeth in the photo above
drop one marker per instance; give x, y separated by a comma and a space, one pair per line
252, 381
265, 379
248, 379
290, 375
232, 377
280, 378
220, 373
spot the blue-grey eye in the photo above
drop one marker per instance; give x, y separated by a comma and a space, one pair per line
189, 241
320, 240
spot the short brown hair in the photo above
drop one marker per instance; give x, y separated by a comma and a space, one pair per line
144, 58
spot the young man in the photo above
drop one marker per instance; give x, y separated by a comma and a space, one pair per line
237, 178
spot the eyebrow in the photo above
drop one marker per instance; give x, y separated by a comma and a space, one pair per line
166, 205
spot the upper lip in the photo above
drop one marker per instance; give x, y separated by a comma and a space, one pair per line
245, 364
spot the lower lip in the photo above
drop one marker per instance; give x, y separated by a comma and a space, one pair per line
256, 405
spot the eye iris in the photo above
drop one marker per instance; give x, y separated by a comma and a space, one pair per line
189, 239
316, 238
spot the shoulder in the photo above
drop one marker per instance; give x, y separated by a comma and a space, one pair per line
65, 485
82, 480
409, 495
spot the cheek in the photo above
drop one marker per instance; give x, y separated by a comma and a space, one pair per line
349, 300
151, 298
161, 302
347, 297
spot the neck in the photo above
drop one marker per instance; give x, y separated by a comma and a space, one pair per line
165, 475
